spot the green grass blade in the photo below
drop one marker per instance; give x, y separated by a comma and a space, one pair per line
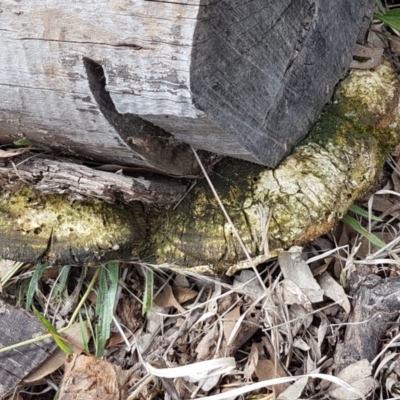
105, 304
380, 6
62, 281
353, 223
33, 283
364, 213
53, 332
148, 291
22, 142
391, 18
84, 333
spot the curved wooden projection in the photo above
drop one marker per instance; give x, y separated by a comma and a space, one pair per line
306, 195
128, 81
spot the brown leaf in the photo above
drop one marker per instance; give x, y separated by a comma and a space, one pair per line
183, 294
206, 346
230, 321
116, 338
167, 299
265, 370
74, 339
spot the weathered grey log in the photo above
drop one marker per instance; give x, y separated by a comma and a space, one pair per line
18, 326
305, 196
60, 177
108, 79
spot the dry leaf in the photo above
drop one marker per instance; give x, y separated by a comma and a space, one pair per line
75, 340
252, 361
295, 269
167, 299
183, 294
230, 320
206, 346
357, 375
334, 291
13, 152
266, 369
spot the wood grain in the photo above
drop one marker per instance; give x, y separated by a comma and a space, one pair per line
234, 77
18, 326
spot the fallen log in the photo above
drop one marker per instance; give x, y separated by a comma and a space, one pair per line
305, 196
127, 81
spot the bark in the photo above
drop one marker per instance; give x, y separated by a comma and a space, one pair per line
305, 196
126, 82
92, 378
58, 177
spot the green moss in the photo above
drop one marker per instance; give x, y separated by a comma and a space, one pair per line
90, 229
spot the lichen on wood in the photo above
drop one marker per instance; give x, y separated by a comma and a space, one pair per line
56, 228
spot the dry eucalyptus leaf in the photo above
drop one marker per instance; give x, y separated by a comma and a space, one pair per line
295, 269
167, 299
206, 346
57, 359
183, 294
334, 291
293, 392
266, 370
13, 152
252, 361
230, 320
293, 294
358, 375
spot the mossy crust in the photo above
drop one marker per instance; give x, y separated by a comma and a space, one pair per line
53, 227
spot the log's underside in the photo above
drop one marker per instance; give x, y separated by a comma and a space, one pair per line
304, 196
126, 82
